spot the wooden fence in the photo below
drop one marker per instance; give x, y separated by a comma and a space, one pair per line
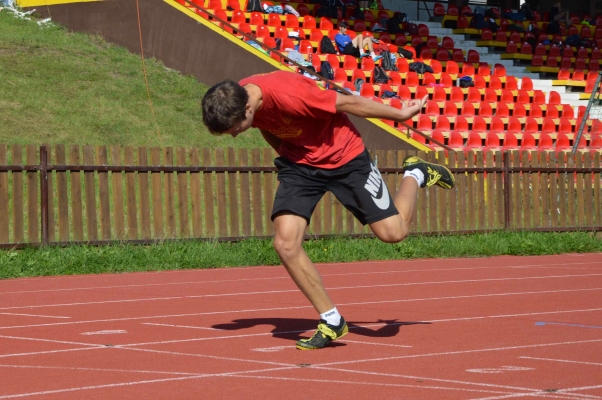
61, 195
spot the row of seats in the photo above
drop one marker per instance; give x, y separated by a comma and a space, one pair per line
473, 141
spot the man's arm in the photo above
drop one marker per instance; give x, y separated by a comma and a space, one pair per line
366, 108
271, 139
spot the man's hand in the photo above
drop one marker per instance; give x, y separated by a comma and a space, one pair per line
416, 103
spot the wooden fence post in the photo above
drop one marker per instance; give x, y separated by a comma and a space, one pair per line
506, 162
44, 193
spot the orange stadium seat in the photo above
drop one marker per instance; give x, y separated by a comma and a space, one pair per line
461, 123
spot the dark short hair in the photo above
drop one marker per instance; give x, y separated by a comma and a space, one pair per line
343, 24
224, 105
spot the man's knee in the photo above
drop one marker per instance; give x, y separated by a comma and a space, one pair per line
286, 246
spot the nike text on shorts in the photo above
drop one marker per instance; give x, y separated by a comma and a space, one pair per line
358, 185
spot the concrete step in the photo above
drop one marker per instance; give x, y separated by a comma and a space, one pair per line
432, 25
441, 32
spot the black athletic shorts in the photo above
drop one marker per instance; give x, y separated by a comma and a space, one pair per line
351, 50
358, 185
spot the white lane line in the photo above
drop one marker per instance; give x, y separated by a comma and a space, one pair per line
296, 290
37, 353
176, 353
298, 307
375, 343
542, 266
113, 385
52, 341
97, 369
34, 315
356, 326
182, 326
453, 381
331, 381
541, 393
449, 353
562, 361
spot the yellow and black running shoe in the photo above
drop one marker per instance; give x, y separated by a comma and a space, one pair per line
434, 174
324, 335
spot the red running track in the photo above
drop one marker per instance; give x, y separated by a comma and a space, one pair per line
489, 328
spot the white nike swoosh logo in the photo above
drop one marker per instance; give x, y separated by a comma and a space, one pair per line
385, 200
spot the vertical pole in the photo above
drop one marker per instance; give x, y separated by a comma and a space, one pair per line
506, 165
44, 192
595, 93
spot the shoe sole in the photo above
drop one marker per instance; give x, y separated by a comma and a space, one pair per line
439, 183
345, 331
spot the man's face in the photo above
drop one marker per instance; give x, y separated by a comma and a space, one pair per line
343, 30
242, 125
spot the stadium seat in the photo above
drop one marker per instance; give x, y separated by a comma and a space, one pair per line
536, 111
468, 109
548, 125
395, 78
551, 62
339, 74
526, 83
511, 48
367, 64
479, 82
495, 83
496, 125
402, 65
552, 112
439, 94
473, 57
238, 17
400, 40
447, 43
303, 11
411, 79
424, 123
485, 109
502, 110
563, 143
432, 108
281, 32
458, 56
367, 91
442, 123
490, 95
492, 142
428, 79
326, 23
262, 31
484, 70
523, 97
446, 80
567, 111
537, 60
442, 55
452, 67
461, 124
450, 109
438, 136
507, 96
455, 140
438, 10
404, 93
358, 74
565, 126
539, 97
473, 141
510, 141
519, 110
468, 69
274, 20
349, 62
564, 74
478, 124
528, 142
417, 137
452, 9
456, 94
474, 95
514, 125
531, 125
421, 92
545, 142
486, 34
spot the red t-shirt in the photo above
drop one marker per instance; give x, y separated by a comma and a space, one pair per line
304, 117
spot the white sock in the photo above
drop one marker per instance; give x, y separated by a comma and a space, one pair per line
416, 174
373, 54
332, 317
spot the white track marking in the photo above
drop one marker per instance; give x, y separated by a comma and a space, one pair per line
369, 383
183, 326
448, 353
177, 353
106, 332
580, 388
541, 393
562, 361
113, 385
97, 369
36, 353
51, 341
454, 381
301, 307
296, 291
546, 266
271, 349
375, 343
34, 315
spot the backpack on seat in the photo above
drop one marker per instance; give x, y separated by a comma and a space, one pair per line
387, 61
326, 70
380, 75
326, 46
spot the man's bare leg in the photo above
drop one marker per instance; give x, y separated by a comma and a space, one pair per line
395, 228
288, 242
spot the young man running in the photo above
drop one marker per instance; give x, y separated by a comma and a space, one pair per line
320, 150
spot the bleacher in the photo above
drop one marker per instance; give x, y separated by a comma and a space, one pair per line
507, 108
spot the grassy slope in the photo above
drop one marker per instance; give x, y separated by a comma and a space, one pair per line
72, 88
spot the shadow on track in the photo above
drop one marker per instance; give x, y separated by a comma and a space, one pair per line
291, 328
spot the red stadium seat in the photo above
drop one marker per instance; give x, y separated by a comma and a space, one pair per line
450, 109
526, 83
528, 142
495, 83
474, 95
439, 94
514, 125
461, 124
502, 110
496, 125
474, 141
456, 94
485, 109
492, 142
545, 142
452, 9
442, 123
438, 10
552, 111
424, 123
548, 126
519, 110
531, 125
478, 124
510, 141
432, 108
535, 111
455, 141
473, 56
468, 109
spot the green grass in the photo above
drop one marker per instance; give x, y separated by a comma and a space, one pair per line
189, 255
73, 88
